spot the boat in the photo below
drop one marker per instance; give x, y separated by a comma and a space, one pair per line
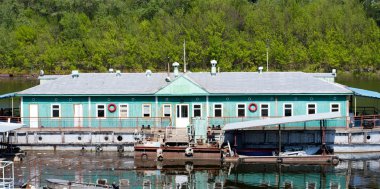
64, 184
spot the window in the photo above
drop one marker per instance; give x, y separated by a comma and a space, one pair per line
311, 109
240, 110
55, 111
334, 108
167, 109
288, 110
218, 110
123, 110
264, 110
197, 110
146, 110
100, 110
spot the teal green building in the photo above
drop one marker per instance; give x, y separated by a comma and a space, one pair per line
134, 100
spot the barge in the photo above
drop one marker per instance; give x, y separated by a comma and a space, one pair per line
113, 111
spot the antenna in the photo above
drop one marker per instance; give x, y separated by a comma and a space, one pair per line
184, 56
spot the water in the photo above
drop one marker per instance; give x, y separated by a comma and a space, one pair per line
88, 167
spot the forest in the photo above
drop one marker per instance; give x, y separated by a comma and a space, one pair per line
133, 35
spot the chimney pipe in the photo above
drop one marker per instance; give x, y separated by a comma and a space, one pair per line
213, 67
261, 70
176, 72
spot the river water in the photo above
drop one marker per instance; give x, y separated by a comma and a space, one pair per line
116, 168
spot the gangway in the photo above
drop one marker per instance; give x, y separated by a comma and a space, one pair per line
7, 174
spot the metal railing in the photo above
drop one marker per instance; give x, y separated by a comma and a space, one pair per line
92, 122
366, 122
7, 174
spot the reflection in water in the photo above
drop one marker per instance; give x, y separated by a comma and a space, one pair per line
123, 170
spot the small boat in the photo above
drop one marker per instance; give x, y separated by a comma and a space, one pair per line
64, 184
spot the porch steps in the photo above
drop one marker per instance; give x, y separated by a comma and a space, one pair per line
178, 135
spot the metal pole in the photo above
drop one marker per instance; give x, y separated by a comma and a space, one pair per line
279, 140
355, 105
184, 56
12, 106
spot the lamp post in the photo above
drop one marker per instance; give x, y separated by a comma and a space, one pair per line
267, 45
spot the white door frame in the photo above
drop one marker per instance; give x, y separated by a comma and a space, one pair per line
78, 115
180, 121
33, 116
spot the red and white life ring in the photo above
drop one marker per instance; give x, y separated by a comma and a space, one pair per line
112, 107
252, 107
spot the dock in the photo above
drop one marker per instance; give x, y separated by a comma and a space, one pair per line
309, 159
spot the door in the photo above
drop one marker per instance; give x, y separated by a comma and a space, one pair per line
182, 118
33, 115
78, 115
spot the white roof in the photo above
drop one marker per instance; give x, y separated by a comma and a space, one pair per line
221, 83
5, 126
246, 125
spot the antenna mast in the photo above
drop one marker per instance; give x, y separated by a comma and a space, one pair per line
184, 56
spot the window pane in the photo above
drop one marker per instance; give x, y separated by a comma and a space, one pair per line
218, 106
241, 112
55, 113
218, 113
184, 112
311, 108
146, 111
167, 111
197, 113
288, 112
264, 112
197, 110
124, 110
241, 106
311, 111
264, 106
101, 112
288, 106
335, 107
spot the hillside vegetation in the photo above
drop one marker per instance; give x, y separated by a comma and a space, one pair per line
134, 35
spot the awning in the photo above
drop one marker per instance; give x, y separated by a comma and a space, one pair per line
364, 93
5, 126
281, 120
8, 95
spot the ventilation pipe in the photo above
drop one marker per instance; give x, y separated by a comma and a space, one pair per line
213, 67
175, 65
261, 70
75, 74
148, 73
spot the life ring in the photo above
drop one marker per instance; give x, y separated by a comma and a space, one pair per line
252, 107
189, 152
112, 107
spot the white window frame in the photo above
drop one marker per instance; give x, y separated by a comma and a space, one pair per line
194, 109
105, 111
283, 109
213, 108
163, 110
262, 108
331, 104
237, 109
150, 110
59, 111
120, 111
307, 108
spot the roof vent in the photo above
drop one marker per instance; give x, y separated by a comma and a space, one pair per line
118, 73
213, 67
75, 74
175, 65
148, 73
110, 70
167, 79
261, 70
